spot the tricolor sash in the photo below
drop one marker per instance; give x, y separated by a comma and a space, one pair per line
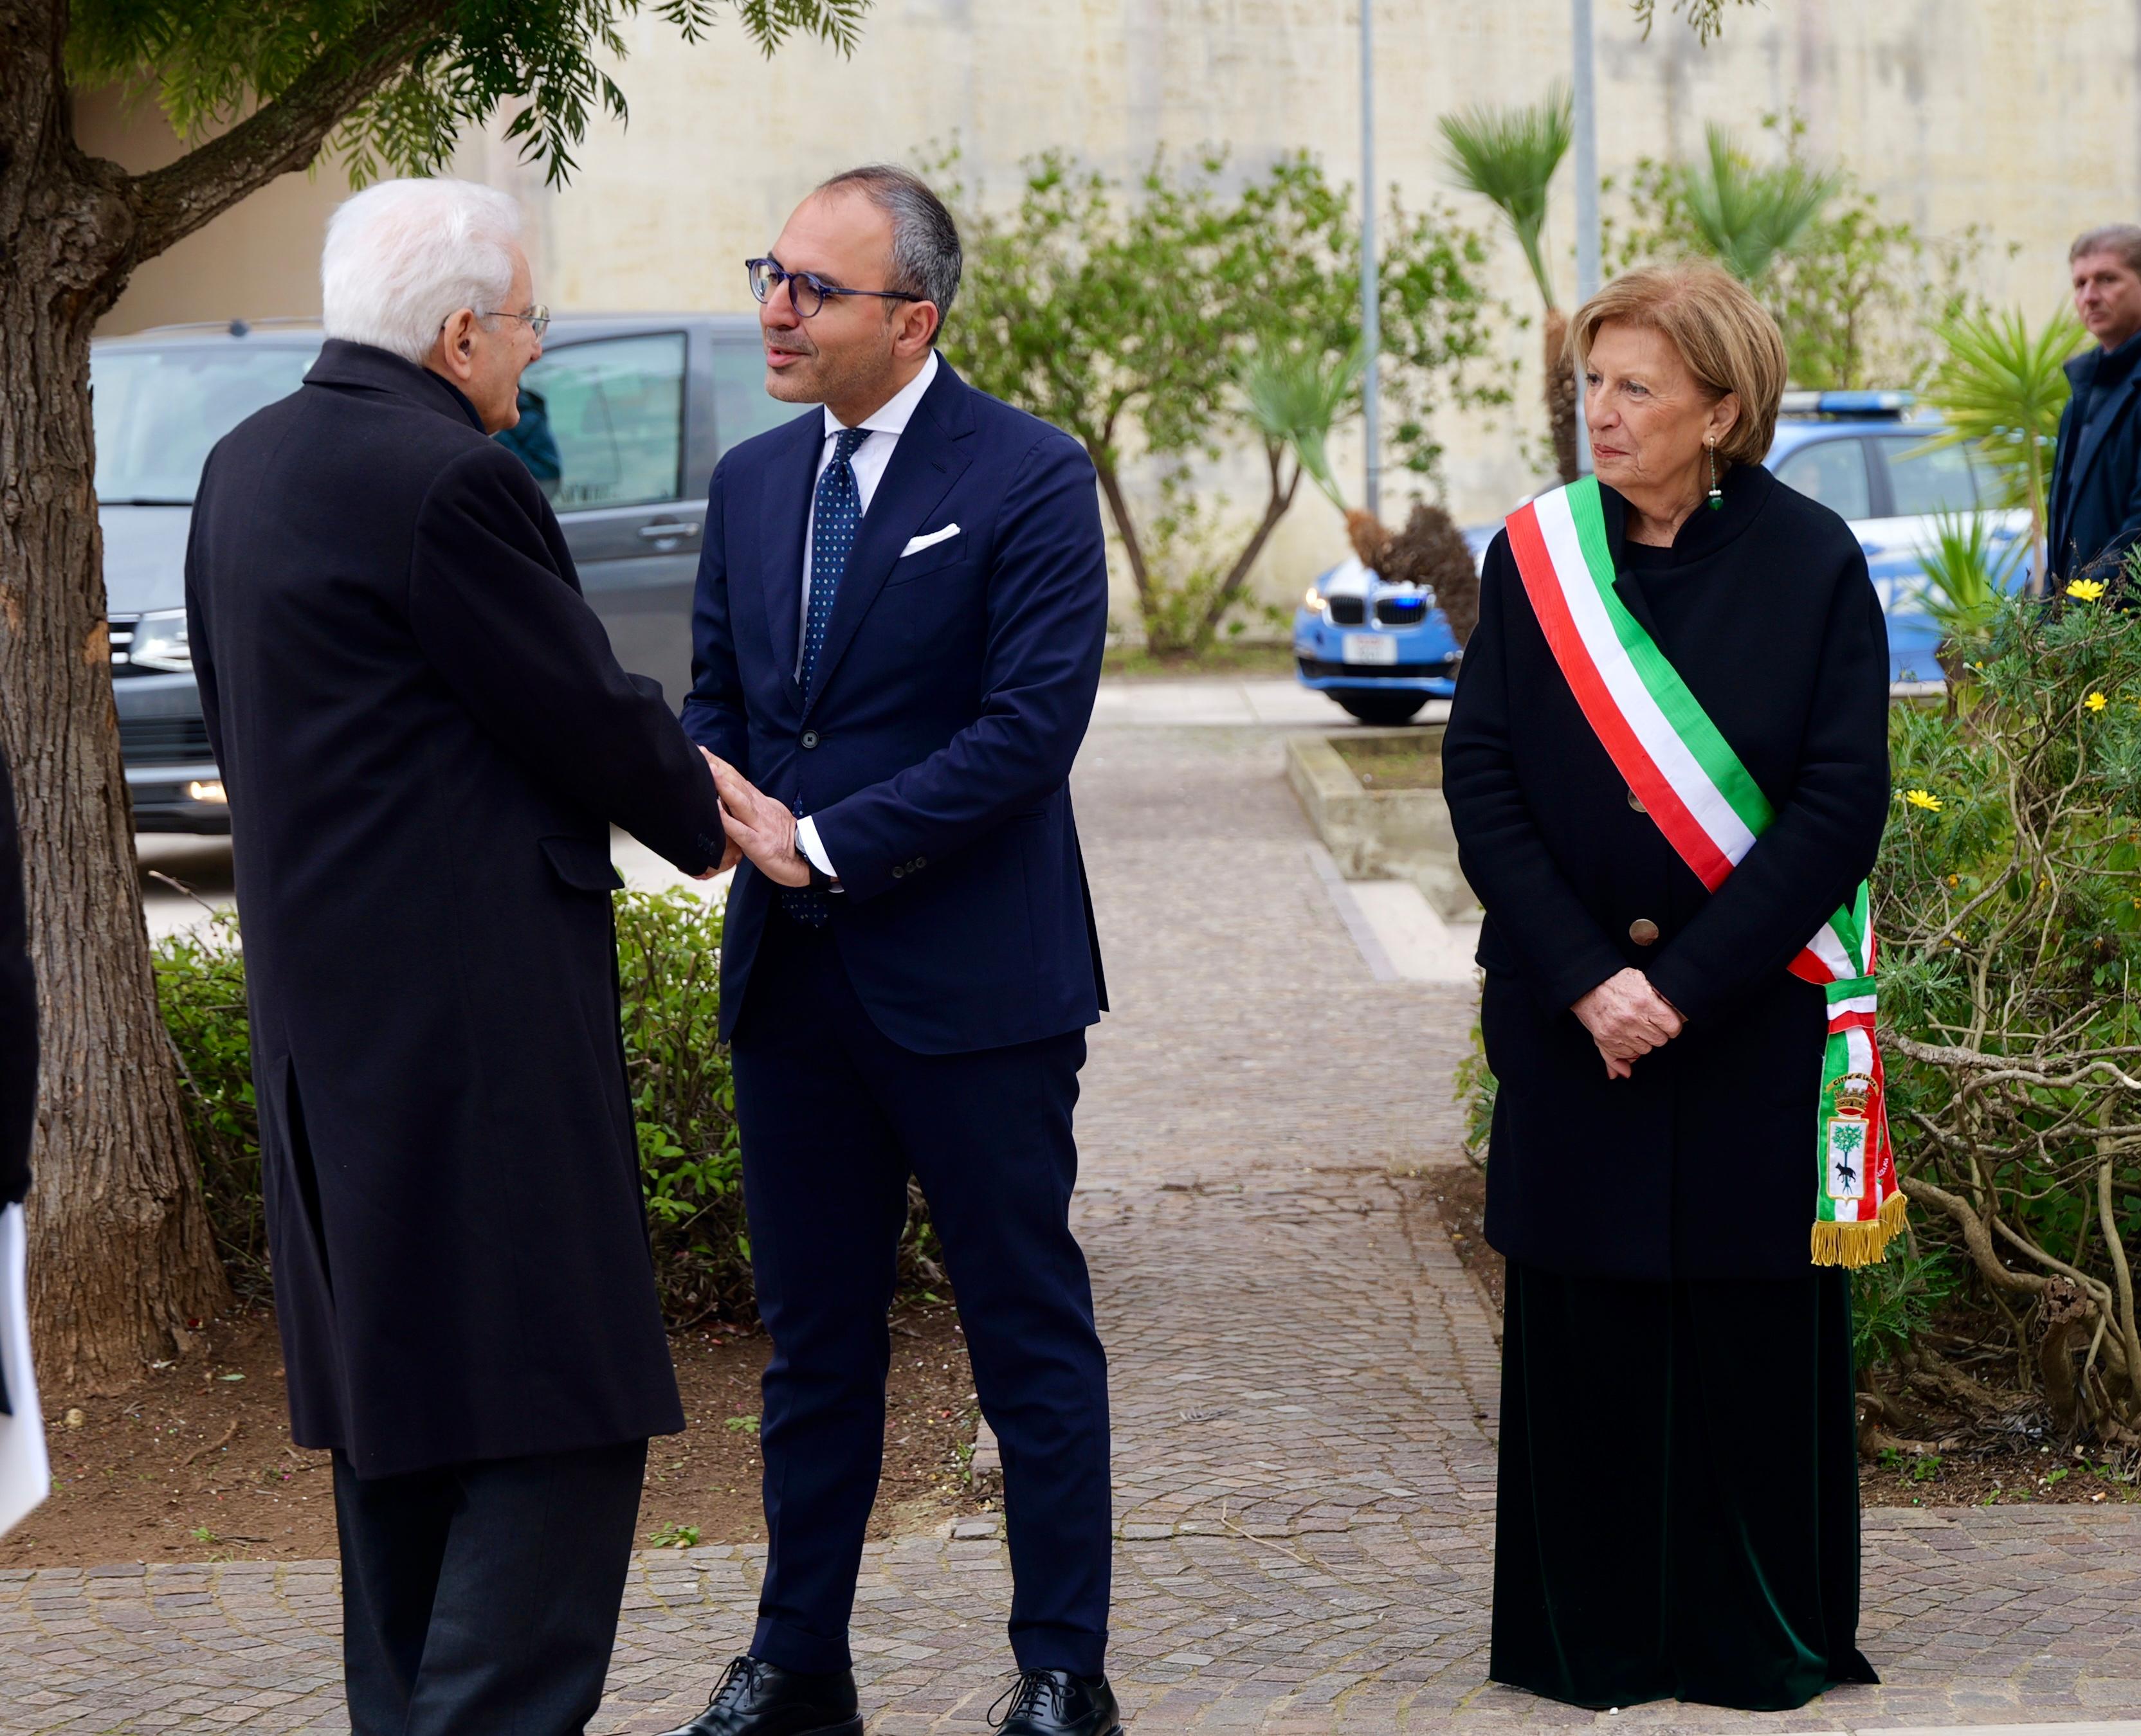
1712, 811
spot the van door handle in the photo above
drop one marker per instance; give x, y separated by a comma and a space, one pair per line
668, 533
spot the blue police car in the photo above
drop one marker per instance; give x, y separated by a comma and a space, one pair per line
1382, 650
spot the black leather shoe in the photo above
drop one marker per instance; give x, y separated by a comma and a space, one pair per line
755, 1698
1055, 1703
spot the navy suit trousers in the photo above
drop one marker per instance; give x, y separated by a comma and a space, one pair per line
833, 1115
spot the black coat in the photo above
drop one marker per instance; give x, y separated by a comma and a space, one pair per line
2094, 505
18, 1011
425, 739
1703, 1165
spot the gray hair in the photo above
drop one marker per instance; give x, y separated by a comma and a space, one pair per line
403, 257
2123, 239
925, 256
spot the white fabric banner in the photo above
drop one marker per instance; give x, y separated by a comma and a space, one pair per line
26, 1475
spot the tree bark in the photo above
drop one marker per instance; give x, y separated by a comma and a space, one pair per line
121, 1263
1562, 407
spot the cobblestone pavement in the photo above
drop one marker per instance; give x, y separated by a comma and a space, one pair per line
1304, 1390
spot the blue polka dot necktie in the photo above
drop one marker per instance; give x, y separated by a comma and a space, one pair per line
835, 520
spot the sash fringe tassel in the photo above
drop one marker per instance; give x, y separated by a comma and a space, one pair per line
1860, 1244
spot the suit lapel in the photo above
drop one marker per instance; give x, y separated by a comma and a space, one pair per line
785, 516
930, 457
2100, 426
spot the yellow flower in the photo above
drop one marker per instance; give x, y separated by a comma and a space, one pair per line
1923, 799
2096, 702
2086, 590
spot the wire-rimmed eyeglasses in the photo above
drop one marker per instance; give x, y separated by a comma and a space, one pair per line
807, 289
537, 315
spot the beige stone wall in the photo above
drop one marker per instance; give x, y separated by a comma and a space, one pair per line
259, 260
2020, 116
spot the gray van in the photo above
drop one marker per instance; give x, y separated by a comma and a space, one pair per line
622, 421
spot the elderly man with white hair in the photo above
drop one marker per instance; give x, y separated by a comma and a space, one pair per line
426, 741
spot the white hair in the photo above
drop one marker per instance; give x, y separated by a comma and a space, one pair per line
403, 257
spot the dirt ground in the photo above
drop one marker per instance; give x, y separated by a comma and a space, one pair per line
1978, 1468
196, 1464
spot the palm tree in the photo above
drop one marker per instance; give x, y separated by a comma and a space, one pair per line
1748, 215
1509, 156
2000, 388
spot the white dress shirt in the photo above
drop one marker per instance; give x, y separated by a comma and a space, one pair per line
886, 423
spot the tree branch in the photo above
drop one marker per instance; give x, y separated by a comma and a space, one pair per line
280, 136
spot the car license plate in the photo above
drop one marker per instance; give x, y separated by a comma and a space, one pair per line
1368, 648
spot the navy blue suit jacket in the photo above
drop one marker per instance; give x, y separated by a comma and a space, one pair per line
950, 699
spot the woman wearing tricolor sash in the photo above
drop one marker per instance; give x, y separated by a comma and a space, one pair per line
1667, 767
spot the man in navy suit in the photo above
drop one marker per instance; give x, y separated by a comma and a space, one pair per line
901, 607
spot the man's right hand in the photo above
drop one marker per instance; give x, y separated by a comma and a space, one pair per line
764, 829
1626, 1018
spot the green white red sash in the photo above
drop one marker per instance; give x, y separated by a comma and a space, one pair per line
1712, 811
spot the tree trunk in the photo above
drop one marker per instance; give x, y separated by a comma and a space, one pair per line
1277, 501
120, 1259
1561, 401
1119, 509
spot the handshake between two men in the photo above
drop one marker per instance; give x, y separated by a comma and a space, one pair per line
758, 828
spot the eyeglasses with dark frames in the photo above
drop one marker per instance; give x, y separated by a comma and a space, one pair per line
807, 289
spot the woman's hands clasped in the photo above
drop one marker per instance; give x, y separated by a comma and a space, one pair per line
1627, 1018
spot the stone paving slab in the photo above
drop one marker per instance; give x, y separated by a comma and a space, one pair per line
1304, 1382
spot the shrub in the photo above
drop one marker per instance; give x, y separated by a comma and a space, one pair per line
2008, 899
683, 1104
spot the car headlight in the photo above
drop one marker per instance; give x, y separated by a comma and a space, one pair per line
161, 643
1314, 603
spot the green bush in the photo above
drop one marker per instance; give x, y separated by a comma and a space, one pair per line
2008, 900
683, 1104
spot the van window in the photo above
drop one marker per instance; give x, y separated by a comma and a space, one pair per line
159, 411
741, 404
606, 423
1832, 471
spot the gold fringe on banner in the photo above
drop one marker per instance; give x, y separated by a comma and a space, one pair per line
1860, 1243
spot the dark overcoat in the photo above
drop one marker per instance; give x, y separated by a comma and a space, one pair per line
1703, 1165
18, 1011
935, 747
2095, 505
424, 739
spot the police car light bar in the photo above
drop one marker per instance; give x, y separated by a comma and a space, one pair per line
1891, 404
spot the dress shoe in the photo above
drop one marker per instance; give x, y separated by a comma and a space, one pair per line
755, 1698
1055, 1703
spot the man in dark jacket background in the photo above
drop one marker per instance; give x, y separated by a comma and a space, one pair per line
426, 740
2095, 505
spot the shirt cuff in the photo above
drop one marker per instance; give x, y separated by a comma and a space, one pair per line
808, 841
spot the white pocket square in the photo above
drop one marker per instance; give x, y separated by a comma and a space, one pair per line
915, 545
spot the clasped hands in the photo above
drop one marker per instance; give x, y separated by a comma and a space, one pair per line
758, 828
1627, 1018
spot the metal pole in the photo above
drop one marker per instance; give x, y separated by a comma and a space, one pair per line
1371, 332
1584, 113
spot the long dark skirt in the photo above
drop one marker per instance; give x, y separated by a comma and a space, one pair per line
1678, 1513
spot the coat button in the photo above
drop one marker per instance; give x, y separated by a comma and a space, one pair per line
810, 738
1636, 801
1643, 931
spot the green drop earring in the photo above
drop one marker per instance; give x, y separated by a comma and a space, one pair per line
1716, 493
